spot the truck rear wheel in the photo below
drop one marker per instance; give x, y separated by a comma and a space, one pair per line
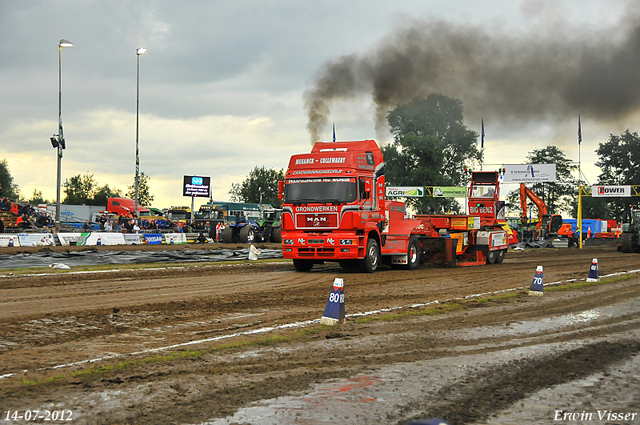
491, 257
227, 235
369, 263
247, 234
501, 255
302, 265
413, 254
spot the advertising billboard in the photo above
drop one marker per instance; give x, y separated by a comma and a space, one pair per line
196, 186
405, 191
610, 191
529, 173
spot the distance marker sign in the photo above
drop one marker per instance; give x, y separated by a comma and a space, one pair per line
334, 312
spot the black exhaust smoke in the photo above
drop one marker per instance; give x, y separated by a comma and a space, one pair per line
549, 74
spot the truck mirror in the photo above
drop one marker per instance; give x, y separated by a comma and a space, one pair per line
280, 189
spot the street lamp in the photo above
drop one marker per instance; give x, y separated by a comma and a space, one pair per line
139, 51
60, 142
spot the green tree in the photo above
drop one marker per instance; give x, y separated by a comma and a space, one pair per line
558, 196
9, 188
84, 190
102, 194
79, 189
430, 147
37, 198
619, 162
261, 185
145, 198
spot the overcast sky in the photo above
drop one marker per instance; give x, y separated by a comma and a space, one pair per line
223, 83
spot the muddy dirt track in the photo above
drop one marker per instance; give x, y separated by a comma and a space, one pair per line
210, 343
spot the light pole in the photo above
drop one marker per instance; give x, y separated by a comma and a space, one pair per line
60, 142
139, 51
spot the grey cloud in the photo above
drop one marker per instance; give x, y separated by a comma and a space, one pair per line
548, 75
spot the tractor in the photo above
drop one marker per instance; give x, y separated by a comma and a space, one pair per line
271, 226
630, 238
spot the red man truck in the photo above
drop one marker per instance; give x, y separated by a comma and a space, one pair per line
335, 209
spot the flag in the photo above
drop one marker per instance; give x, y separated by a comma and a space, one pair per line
334, 132
482, 140
579, 131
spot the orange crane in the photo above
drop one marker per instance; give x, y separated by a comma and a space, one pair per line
548, 224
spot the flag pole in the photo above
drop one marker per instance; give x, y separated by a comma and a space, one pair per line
482, 145
579, 145
579, 223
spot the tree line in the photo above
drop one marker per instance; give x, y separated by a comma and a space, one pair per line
431, 147
81, 189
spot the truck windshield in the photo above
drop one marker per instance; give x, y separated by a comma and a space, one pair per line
326, 190
484, 191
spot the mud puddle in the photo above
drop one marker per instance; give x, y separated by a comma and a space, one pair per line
422, 389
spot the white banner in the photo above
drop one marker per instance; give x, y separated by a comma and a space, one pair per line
98, 238
67, 239
9, 240
610, 191
175, 238
133, 238
36, 239
529, 173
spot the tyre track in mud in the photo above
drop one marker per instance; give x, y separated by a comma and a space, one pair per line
204, 301
150, 310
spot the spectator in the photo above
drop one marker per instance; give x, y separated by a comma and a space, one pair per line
102, 220
32, 222
1, 225
121, 229
86, 226
219, 229
108, 226
20, 222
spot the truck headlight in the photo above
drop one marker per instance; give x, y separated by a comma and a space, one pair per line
288, 241
347, 242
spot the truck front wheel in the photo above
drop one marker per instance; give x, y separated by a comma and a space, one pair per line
413, 254
369, 263
302, 265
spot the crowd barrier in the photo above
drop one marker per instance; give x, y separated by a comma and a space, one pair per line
91, 239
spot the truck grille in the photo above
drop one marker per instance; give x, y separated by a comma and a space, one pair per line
316, 221
319, 252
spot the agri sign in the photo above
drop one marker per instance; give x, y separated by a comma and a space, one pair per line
405, 191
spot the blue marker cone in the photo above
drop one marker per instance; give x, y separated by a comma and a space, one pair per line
594, 272
537, 288
334, 311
